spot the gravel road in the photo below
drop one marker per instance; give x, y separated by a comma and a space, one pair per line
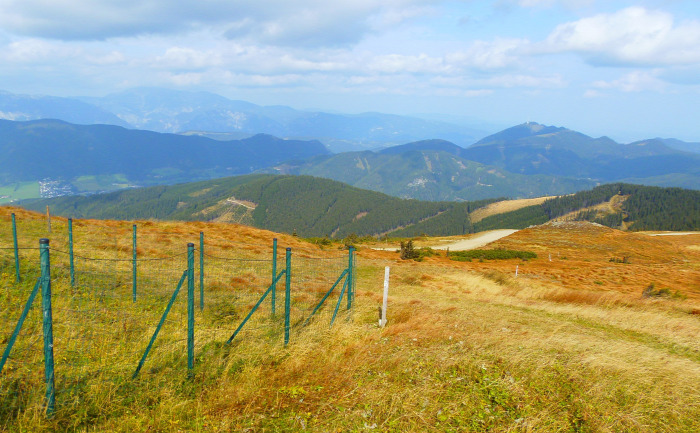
476, 241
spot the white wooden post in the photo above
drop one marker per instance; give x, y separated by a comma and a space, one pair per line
382, 320
516, 270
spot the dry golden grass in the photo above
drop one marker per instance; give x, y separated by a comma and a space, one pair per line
505, 206
468, 347
614, 205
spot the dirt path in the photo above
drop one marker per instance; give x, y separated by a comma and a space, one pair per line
477, 241
505, 206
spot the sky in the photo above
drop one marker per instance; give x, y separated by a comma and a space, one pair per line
626, 69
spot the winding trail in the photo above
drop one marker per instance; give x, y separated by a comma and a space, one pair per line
476, 241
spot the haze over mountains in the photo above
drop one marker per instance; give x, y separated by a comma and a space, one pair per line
526, 160
523, 161
163, 110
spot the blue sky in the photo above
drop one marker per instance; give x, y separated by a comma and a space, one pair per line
627, 69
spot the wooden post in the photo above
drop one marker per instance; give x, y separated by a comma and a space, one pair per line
48, 218
516, 270
382, 320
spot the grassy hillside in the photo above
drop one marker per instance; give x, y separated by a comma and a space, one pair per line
570, 345
292, 204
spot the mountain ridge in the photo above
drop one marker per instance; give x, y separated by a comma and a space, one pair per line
316, 207
53, 149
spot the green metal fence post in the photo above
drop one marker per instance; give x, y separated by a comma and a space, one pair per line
274, 274
287, 294
70, 252
47, 324
351, 292
190, 308
201, 271
14, 237
134, 268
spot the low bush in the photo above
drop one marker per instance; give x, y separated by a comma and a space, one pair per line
497, 254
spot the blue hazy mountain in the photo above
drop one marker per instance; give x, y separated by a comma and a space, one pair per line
103, 157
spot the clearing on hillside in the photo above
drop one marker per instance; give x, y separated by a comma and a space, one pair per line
505, 206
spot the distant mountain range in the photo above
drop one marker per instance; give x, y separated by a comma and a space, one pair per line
532, 148
527, 160
50, 157
430, 170
90, 158
214, 116
96, 152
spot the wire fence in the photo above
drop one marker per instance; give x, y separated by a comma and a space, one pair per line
128, 300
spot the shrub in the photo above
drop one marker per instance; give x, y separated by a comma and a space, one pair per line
497, 254
624, 259
407, 251
651, 292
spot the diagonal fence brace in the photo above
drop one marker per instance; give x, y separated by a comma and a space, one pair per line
340, 298
255, 307
20, 322
328, 293
160, 324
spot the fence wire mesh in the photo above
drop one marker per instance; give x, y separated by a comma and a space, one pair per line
107, 305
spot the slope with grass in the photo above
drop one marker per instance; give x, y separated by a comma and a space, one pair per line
467, 346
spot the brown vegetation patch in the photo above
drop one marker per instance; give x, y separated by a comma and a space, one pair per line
360, 215
505, 206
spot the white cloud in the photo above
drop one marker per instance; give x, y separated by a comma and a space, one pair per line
637, 81
397, 63
477, 93
590, 93
496, 54
275, 22
631, 36
523, 80
188, 58
37, 51
550, 3
111, 58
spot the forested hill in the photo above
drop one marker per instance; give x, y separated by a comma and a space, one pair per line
313, 207
631, 207
303, 204
92, 158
